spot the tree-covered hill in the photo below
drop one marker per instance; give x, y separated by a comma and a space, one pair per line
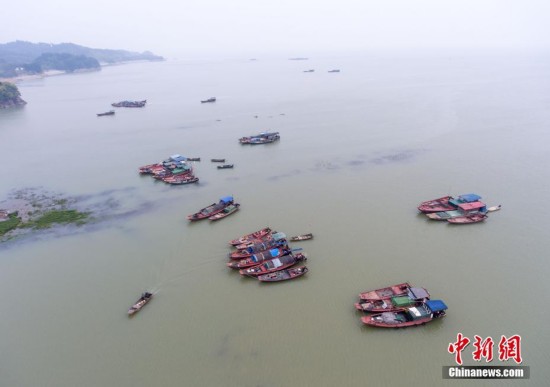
10, 95
28, 58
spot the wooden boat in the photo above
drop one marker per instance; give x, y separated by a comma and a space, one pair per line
386, 293
256, 259
272, 265
414, 296
211, 99
109, 113
217, 160
193, 159
274, 239
446, 203
187, 180
212, 209
494, 208
262, 138
303, 237
467, 219
415, 315
225, 166
231, 209
151, 168
268, 248
130, 104
283, 275
144, 299
251, 236
463, 209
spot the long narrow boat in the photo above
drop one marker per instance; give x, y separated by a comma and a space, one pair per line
462, 209
272, 265
258, 248
225, 166
130, 104
256, 259
231, 209
467, 219
446, 203
414, 296
415, 315
217, 160
143, 300
109, 113
260, 243
283, 275
188, 180
212, 209
251, 236
303, 237
386, 293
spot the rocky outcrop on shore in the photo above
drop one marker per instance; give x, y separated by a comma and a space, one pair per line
10, 96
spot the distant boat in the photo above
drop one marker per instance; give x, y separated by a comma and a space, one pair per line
303, 237
211, 99
130, 104
309, 71
334, 71
193, 159
463, 209
283, 275
144, 299
262, 138
225, 166
218, 160
109, 113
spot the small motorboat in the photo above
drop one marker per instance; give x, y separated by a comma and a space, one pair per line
109, 113
231, 209
211, 99
143, 300
303, 237
225, 166
283, 275
218, 160
494, 208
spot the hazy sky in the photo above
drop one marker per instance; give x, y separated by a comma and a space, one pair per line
294, 27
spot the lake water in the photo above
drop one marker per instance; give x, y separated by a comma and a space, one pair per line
359, 150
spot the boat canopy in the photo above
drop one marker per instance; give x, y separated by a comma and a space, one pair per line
436, 305
227, 199
278, 236
418, 293
417, 312
401, 301
177, 157
472, 206
274, 252
469, 198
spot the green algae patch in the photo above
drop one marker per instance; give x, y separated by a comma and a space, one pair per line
50, 218
11, 224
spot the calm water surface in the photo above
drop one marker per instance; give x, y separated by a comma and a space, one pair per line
359, 150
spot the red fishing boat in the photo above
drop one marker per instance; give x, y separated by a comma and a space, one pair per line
258, 258
258, 246
212, 209
467, 219
386, 293
415, 296
272, 265
446, 203
251, 236
283, 275
416, 315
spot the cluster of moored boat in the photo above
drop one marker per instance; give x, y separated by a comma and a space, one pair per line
464, 209
399, 306
266, 256
216, 211
174, 170
262, 138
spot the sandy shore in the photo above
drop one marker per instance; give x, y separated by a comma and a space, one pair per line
21, 78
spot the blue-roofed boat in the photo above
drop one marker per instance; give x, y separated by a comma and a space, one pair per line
263, 240
212, 209
413, 297
272, 265
414, 315
446, 203
256, 259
